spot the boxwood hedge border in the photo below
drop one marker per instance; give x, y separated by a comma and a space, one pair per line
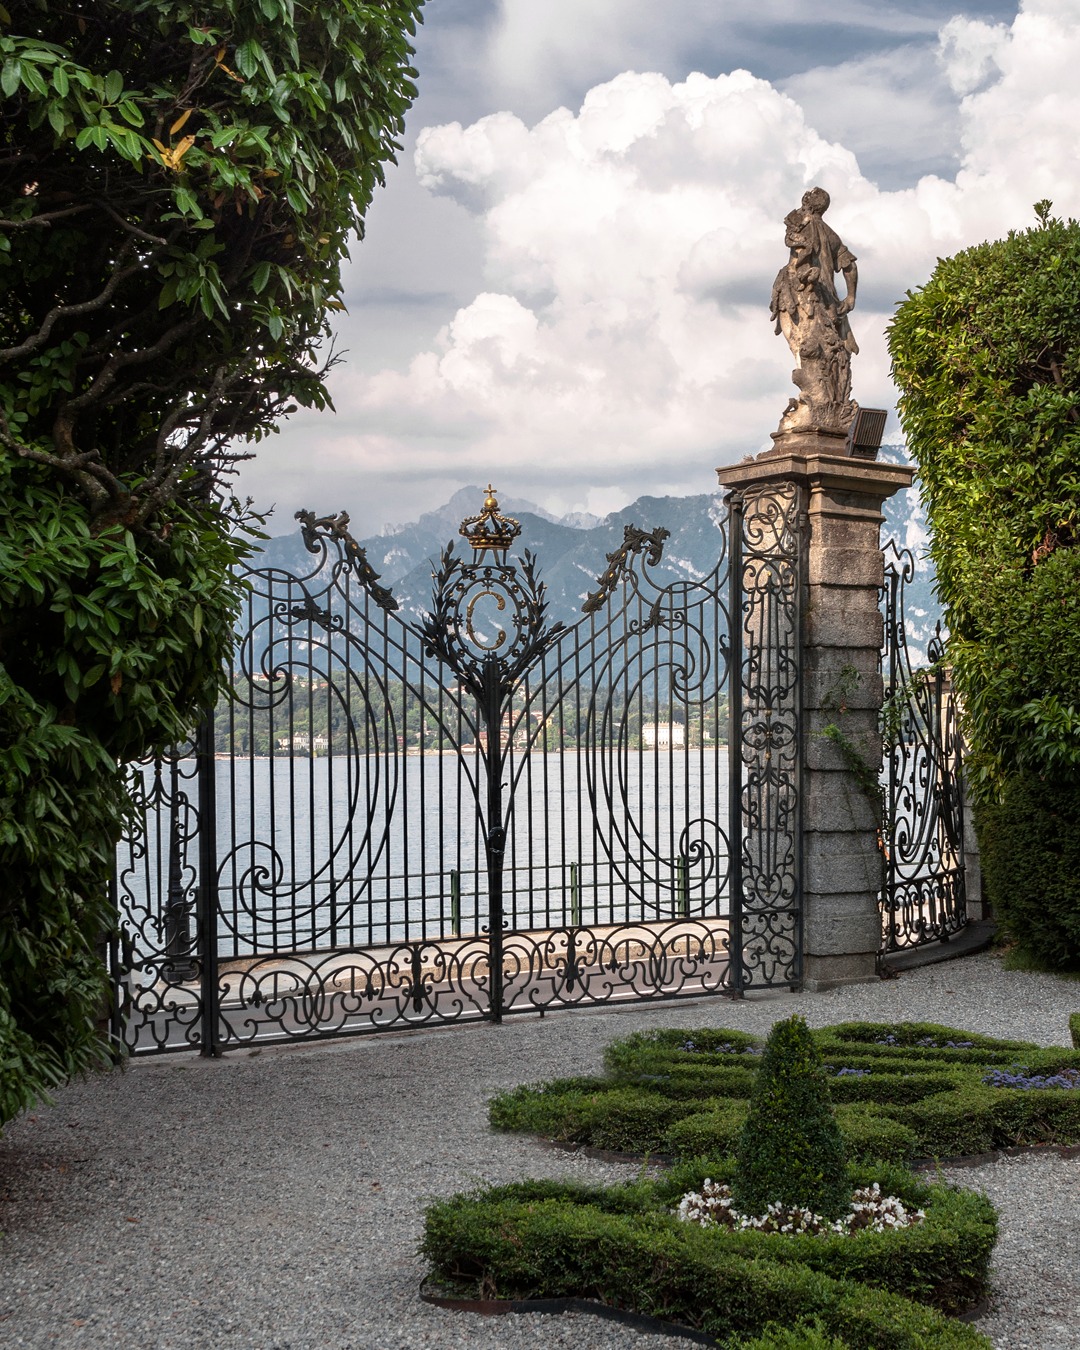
897, 1102
622, 1247
912, 1089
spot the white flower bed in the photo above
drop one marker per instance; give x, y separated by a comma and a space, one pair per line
870, 1210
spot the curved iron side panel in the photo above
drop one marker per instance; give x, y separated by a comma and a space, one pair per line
923, 898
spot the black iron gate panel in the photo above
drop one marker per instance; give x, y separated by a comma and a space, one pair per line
923, 897
615, 814
386, 810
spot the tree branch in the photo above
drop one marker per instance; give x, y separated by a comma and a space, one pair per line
45, 218
127, 225
38, 340
122, 360
85, 469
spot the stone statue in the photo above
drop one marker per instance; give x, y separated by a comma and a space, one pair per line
809, 312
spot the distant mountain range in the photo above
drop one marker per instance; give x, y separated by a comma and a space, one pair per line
572, 551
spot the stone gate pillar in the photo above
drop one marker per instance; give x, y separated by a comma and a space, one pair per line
841, 696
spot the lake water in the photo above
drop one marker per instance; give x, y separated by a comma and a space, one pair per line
330, 852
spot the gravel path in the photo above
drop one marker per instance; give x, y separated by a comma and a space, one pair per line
272, 1200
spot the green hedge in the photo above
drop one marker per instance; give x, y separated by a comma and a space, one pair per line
987, 359
986, 356
1029, 845
659, 1049
1074, 1029
685, 1094
943, 1261
909, 1038
803, 1336
624, 1248
974, 1118
867, 1134
914, 1100
604, 1116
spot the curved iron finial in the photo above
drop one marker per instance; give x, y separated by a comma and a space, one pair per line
337, 528
635, 540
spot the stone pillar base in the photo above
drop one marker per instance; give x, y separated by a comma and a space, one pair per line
830, 972
807, 441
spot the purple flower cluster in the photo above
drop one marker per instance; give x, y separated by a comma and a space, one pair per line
1019, 1077
927, 1043
726, 1049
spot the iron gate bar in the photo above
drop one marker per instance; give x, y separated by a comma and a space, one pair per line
207, 893
736, 519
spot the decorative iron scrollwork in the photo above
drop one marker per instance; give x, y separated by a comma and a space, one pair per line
483, 811
310, 612
337, 528
766, 527
450, 632
635, 542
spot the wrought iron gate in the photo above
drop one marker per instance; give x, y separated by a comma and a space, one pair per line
923, 897
477, 812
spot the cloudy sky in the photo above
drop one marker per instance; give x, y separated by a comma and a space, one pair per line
564, 287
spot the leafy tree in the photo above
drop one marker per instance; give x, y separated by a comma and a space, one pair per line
987, 357
178, 186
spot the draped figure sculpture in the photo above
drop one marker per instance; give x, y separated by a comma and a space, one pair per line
809, 312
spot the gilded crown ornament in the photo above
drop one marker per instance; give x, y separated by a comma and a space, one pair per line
490, 530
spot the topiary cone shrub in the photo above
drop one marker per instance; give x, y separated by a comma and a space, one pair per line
791, 1150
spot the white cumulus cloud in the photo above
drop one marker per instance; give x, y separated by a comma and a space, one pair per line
622, 337
969, 50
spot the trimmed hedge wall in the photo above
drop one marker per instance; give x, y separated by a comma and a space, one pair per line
1029, 845
868, 1134
908, 1089
684, 1093
944, 1261
986, 356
